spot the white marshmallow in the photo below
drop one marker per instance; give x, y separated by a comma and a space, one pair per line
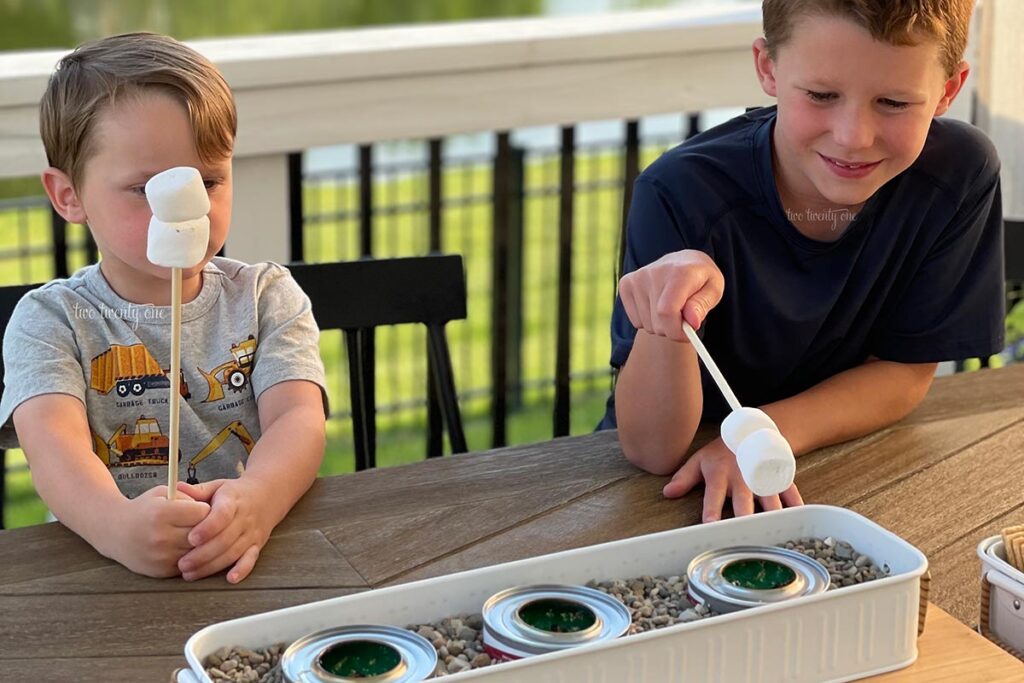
178, 245
766, 462
742, 422
177, 195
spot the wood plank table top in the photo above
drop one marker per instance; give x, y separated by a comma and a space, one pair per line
943, 479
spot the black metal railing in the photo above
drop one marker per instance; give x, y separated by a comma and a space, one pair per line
539, 229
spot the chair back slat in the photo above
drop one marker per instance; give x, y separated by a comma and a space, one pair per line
359, 296
373, 292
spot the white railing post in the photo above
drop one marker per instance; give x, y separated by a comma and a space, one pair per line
259, 217
1001, 94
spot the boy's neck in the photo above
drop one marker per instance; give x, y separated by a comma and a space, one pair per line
149, 290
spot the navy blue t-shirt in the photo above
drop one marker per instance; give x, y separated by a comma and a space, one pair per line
916, 277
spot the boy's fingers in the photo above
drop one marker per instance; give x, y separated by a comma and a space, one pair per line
701, 302
221, 514
245, 565
742, 502
669, 312
791, 497
629, 306
770, 503
187, 513
684, 479
217, 563
203, 491
714, 500
198, 557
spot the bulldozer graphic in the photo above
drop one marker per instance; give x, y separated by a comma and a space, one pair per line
233, 374
130, 371
148, 445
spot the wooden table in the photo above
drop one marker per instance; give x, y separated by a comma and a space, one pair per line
944, 478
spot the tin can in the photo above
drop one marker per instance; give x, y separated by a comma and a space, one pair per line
360, 654
731, 579
531, 620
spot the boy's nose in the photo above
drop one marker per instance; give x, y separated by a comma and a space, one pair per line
854, 130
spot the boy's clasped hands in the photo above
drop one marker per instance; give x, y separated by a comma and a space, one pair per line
207, 528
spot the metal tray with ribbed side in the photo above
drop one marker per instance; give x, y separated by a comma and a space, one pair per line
842, 635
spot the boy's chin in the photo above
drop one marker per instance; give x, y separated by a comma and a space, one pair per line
849, 196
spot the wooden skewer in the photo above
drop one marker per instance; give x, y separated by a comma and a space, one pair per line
709, 363
175, 403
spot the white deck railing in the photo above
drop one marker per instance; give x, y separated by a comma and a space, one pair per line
324, 88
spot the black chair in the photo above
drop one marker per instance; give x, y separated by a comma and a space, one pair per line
9, 298
358, 296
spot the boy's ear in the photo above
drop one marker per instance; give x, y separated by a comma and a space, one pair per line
951, 87
62, 195
765, 68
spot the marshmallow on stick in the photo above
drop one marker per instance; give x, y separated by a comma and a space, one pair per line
764, 456
179, 235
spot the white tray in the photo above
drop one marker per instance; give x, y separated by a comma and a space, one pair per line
841, 635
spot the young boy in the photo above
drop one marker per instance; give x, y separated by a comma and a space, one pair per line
830, 249
86, 358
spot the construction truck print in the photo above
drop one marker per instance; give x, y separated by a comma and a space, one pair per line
236, 428
233, 374
130, 371
148, 445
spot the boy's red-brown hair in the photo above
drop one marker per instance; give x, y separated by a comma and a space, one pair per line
897, 22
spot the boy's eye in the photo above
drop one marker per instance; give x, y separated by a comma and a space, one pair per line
139, 190
821, 96
211, 183
894, 104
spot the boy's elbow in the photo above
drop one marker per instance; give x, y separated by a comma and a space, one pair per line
657, 456
915, 391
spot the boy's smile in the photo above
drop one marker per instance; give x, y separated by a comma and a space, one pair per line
853, 113
136, 137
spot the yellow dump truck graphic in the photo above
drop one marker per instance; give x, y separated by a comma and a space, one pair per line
233, 374
146, 445
129, 370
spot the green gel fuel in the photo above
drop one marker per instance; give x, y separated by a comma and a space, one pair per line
359, 659
557, 616
758, 574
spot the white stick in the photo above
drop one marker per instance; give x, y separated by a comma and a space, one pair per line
172, 448
709, 363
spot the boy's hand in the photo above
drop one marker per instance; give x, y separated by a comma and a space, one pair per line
716, 465
233, 533
154, 535
684, 284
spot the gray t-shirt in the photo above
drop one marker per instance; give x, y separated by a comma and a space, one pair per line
250, 327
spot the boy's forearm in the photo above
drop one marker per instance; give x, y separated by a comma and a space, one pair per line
658, 403
853, 403
69, 477
286, 459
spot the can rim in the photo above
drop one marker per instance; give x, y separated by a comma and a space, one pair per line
706, 584
506, 633
418, 658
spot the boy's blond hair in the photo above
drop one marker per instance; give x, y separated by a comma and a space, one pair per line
897, 22
95, 74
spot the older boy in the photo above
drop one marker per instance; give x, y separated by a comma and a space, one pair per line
831, 249
86, 357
